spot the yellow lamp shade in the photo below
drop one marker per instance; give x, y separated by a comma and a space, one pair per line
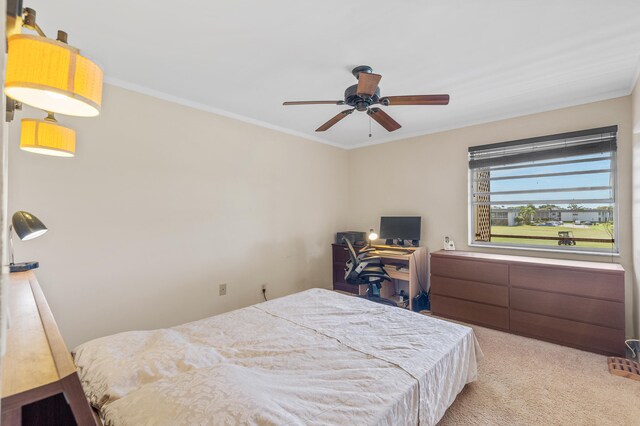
47, 137
52, 76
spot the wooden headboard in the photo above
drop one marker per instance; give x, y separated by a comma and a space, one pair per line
38, 373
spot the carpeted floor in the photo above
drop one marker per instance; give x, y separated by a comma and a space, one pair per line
528, 382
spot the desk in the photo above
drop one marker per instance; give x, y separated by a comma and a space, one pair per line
409, 278
39, 380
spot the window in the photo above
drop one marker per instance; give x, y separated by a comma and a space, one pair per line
551, 192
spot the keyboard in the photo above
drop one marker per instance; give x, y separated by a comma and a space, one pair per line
396, 252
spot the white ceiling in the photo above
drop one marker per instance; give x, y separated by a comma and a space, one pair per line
243, 58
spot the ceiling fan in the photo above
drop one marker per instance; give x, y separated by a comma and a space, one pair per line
365, 94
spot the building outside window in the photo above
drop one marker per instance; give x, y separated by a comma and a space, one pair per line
552, 192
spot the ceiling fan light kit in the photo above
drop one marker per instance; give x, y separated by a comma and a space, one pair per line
366, 93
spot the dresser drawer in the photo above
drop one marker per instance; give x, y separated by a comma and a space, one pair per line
470, 290
464, 310
338, 275
582, 309
350, 288
566, 332
586, 283
340, 254
486, 272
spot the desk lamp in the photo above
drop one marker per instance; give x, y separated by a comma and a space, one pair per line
27, 227
372, 236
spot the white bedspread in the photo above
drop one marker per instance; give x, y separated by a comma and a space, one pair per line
316, 357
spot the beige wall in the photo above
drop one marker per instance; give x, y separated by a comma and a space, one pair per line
427, 176
162, 203
635, 101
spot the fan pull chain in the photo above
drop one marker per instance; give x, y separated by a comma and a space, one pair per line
369, 126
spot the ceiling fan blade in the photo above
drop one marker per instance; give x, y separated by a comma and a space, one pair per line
415, 100
313, 103
368, 83
383, 119
334, 120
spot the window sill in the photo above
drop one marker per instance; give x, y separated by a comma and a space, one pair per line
547, 250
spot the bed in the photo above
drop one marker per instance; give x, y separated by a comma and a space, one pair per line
315, 357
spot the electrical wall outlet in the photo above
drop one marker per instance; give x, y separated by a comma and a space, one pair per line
223, 290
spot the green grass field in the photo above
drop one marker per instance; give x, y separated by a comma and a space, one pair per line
593, 231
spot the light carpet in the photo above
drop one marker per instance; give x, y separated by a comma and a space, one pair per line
529, 382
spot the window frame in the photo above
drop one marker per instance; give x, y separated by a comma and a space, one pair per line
614, 251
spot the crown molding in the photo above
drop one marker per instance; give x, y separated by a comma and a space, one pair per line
465, 123
522, 113
207, 108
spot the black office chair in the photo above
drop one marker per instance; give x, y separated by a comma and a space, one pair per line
363, 269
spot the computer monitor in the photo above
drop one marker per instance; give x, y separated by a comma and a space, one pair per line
400, 228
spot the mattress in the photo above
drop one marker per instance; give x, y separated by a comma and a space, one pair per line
315, 357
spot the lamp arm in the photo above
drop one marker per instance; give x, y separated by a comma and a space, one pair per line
39, 31
29, 21
12, 260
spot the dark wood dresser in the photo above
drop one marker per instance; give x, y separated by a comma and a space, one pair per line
572, 303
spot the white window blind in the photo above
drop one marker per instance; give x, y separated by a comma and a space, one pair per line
569, 175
